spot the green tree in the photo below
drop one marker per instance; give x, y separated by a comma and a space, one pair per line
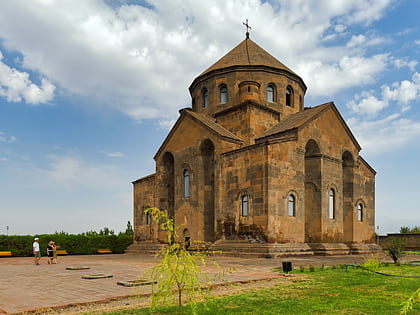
396, 248
408, 305
178, 270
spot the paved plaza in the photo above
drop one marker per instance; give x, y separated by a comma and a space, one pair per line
27, 287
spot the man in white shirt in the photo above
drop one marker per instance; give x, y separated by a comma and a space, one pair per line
37, 252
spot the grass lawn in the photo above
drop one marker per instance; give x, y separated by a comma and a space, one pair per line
332, 290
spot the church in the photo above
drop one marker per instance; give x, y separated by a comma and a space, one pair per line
254, 172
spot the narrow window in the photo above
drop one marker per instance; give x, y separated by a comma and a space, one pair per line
360, 212
270, 93
205, 98
148, 218
332, 204
289, 96
244, 205
186, 184
223, 94
291, 206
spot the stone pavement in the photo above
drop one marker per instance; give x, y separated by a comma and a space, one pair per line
27, 287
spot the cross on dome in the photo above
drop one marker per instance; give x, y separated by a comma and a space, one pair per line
247, 28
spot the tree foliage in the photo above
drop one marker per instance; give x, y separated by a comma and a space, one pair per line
396, 247
178, 270
406, 229
408, 305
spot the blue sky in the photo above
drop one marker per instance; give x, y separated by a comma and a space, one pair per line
89, 90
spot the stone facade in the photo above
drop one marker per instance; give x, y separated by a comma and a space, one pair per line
250, 169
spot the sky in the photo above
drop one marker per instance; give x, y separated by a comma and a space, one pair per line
89, 89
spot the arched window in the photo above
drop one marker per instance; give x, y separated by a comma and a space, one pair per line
186, 184
244, 205
148, 218
331, 203
359, 212
291, 206
205, 98
223, 94
270, 93
289, 96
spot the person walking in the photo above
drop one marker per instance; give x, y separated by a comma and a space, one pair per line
37, 252
50, 252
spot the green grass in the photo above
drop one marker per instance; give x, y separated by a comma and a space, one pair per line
328, 291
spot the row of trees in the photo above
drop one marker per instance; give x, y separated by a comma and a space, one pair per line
406, 229
75, 244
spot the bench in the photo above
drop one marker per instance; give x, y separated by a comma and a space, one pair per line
62, 252
104, 251
5, 253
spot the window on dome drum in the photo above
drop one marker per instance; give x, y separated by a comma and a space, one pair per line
270, 93
291, 206
289, 96
205, 98
186, 184
148, 218
359, 212
244, 205
331, 203
223, 94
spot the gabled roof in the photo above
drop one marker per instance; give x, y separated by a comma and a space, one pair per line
206, 122
301, 119
247, 53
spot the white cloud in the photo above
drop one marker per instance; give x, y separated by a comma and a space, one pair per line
7, 139
70, 171
385, 135
401, 93
115, 154
140, 61
16, 86
349, 71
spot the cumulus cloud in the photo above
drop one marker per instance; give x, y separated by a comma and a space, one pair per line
16, 86
384, 135
328, 79
140, 60
401, 93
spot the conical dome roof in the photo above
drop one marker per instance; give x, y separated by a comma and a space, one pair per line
247, 53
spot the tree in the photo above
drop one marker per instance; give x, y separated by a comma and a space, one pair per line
178, 270
406, 229
396, 248
408, 305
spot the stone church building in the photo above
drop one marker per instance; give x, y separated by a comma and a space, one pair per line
252, 170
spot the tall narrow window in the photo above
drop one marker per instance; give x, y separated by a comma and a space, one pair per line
148, 218
244, 205
331, 204
360, 212
289, 96
291, 206
270, 93
186, 184
205, 98
223, 94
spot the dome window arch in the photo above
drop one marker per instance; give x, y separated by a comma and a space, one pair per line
271, 93
205, 94
223, 94
289, 96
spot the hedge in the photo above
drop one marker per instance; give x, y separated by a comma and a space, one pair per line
74, 244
